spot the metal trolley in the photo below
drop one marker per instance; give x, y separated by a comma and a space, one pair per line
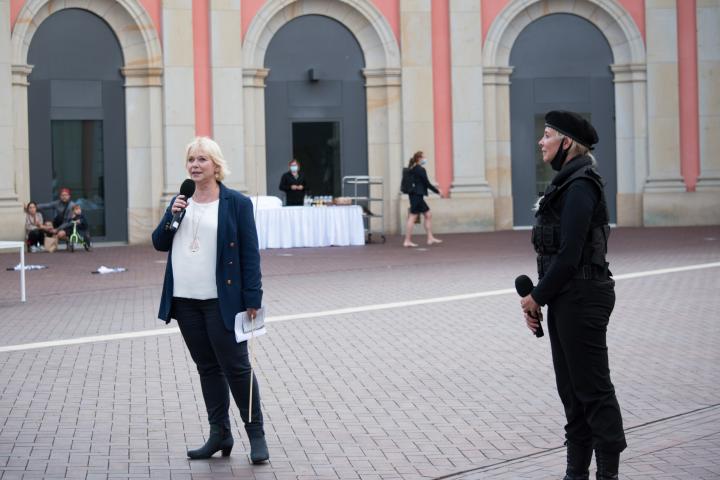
367, 192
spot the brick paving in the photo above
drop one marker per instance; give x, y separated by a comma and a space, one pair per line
423, 391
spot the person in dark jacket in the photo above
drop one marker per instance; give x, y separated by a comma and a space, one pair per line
213, 273
293, 184
570, 238
421, 184
61, 212
81, 224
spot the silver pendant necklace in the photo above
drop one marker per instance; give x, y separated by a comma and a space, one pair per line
196, 217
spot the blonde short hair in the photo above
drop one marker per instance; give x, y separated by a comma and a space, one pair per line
209, 147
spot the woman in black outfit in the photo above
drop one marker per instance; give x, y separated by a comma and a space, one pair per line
421, 184
570, 238
293, 184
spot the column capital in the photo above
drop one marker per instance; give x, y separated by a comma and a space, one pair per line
255, 77
142, 76
382, 77
495, 75
20, 74
629, 72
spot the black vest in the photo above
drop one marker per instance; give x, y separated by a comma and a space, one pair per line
546, 232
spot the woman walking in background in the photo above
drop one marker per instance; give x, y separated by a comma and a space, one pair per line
213, 273
420, 186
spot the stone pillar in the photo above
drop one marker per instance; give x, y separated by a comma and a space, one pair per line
417, 80
178, 92
496, 85
21, 145
385, 159
227, 80
254, 118
467, 97
11, 212
663, 104
143, 92
631, 130
470, 207
708, 32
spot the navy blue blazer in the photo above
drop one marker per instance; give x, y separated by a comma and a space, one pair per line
237, 272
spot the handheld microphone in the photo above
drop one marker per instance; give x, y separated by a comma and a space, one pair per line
186, 190
523, 286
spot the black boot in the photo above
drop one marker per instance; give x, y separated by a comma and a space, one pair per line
578, 462
608, 464
220, 439
258, 450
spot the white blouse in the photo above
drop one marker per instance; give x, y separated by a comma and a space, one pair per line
194, 252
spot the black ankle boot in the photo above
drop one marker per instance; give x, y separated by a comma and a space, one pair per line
578, 462
258, 450
220, 439
608, 464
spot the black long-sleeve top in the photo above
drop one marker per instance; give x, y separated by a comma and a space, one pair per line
293, 197
422, 183
578, 204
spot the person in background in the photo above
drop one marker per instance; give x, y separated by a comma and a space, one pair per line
35, 228
293, 184
421, 184
212, 274
82, 226
61, 213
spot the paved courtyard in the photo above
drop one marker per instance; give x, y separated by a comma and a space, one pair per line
380, 363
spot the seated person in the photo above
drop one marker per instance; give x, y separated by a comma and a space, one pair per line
35, 229
61, 212
81, 225
293, 184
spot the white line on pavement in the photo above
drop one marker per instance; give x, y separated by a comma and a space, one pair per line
328, 313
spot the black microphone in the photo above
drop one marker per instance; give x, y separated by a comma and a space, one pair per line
186, 190
524, 286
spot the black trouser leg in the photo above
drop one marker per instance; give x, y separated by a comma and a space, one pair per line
36, 237
221, 362
580, 356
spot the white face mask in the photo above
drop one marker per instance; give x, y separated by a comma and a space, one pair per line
293, 168
423, 161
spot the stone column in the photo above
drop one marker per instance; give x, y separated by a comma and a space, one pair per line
11, 213
708, 26
630, 99
385, 159
417, 80
663, 103
178, 91
254, 118
496, 85
21, 144
467, 97
227, 81
143, 93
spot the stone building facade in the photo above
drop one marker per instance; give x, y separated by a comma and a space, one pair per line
462, 80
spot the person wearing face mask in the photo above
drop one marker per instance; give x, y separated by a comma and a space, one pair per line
421, 184
293, 184
570, 239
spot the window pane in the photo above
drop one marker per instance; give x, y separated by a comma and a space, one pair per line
77, 158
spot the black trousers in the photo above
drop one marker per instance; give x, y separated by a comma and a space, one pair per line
36, 237
222, 363
577, 323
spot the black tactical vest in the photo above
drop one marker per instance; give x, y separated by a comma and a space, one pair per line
546, 232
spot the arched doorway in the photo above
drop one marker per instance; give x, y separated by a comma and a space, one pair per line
560, 61
315, 104
76, 116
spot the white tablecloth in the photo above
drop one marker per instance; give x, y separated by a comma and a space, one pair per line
290, 227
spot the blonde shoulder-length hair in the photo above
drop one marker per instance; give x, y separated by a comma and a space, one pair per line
208, 146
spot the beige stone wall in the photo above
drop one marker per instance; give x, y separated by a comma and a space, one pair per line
12, 217
708, 25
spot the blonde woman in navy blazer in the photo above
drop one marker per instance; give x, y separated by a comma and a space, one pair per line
212, 273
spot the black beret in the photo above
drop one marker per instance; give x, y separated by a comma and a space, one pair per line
572, 125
